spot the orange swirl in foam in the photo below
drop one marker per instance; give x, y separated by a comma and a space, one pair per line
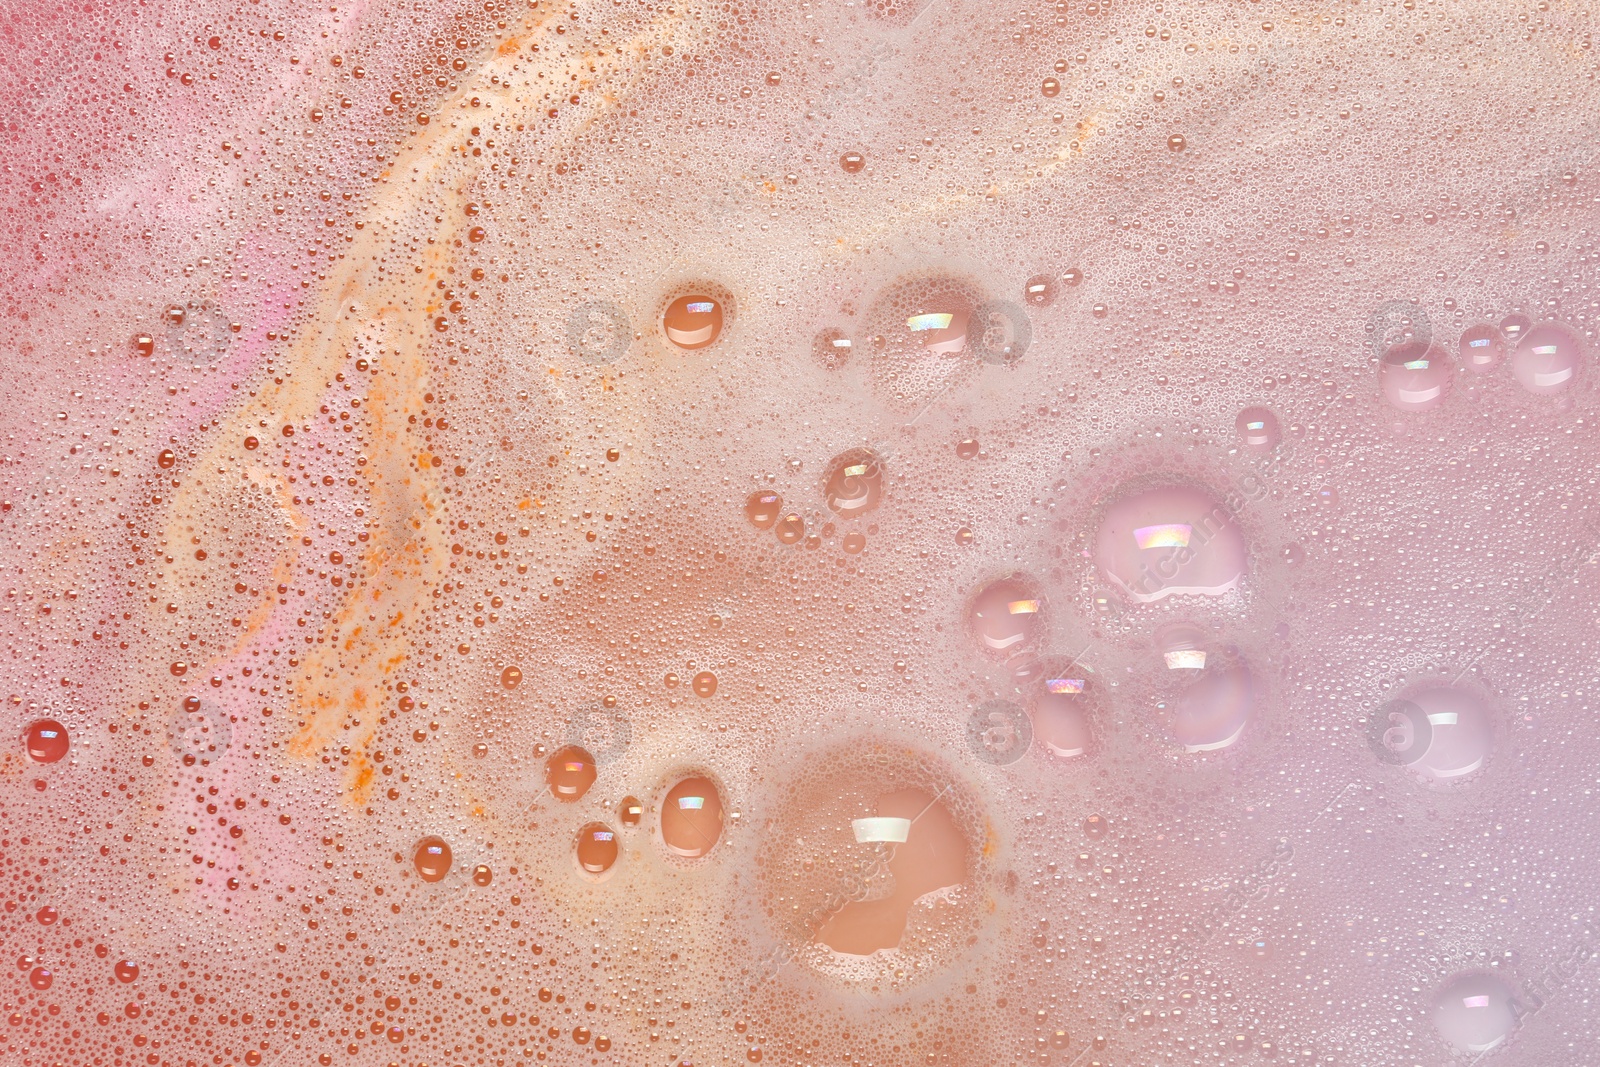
369, 305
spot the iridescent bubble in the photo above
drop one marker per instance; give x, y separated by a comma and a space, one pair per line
1258, 429
631, 811
1205, 695
693, 321
1474, 1012
1414, 376
597, 848
46, 740
790, 529
1174, 539
1064, 711
1481, 348
431, 858
1547, 359
762, 508
1513, 326
691, 818
854, 484
570, 771
1004, 616
938, 325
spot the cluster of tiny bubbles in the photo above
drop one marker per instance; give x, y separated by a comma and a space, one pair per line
881, 533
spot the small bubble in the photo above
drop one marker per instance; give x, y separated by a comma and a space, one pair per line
431, 857
1170, 540
1547, 359
762, 508
965, 536
1414, 376
1513, 326
632, 812
1176, 142
480, 750
852, 162
1095, 827
1063, 713
570, 771
1205, 696
790, 529
1004, 616
1039, 290
126, 971
704, 684
144, 345
1050, 87
40, 978
597, 848
1258, 429
1481, 348
693, 322
968, 448
175, 315
691, 818
1071, 276
511, 677
1474, 1013
482, 875
46, 740
167, 459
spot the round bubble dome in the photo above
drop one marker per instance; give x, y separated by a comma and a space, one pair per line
898, 533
